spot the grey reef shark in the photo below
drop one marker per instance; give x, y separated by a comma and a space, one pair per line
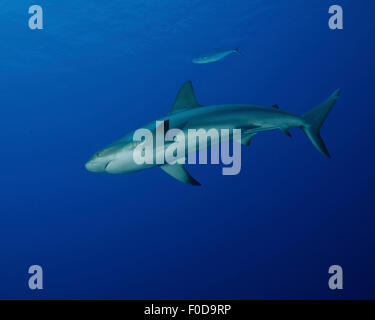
186, 113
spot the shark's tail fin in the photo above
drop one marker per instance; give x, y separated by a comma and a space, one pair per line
314, 120
237, 50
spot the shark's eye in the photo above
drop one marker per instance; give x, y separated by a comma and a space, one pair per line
99, 154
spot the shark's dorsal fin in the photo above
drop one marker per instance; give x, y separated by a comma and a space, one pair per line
185, 98
179, 172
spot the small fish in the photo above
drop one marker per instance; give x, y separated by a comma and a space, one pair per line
215, 55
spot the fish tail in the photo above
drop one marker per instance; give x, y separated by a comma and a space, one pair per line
237, 50
314, 120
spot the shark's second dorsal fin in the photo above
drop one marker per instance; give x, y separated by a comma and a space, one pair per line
185, 98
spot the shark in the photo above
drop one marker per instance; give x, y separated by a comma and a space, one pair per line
186, 113
214, 55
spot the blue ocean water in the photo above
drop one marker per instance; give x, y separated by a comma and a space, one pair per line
101, 69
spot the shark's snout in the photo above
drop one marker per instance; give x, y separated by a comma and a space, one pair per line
94, 165
90, 166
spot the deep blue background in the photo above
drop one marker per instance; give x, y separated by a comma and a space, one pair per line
100, 69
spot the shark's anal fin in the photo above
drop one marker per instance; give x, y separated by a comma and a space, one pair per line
276, 106
286, 131
179, 172
185, 98
246, 139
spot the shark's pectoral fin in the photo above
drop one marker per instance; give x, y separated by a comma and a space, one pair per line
185, 98
246, 139
179, 172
